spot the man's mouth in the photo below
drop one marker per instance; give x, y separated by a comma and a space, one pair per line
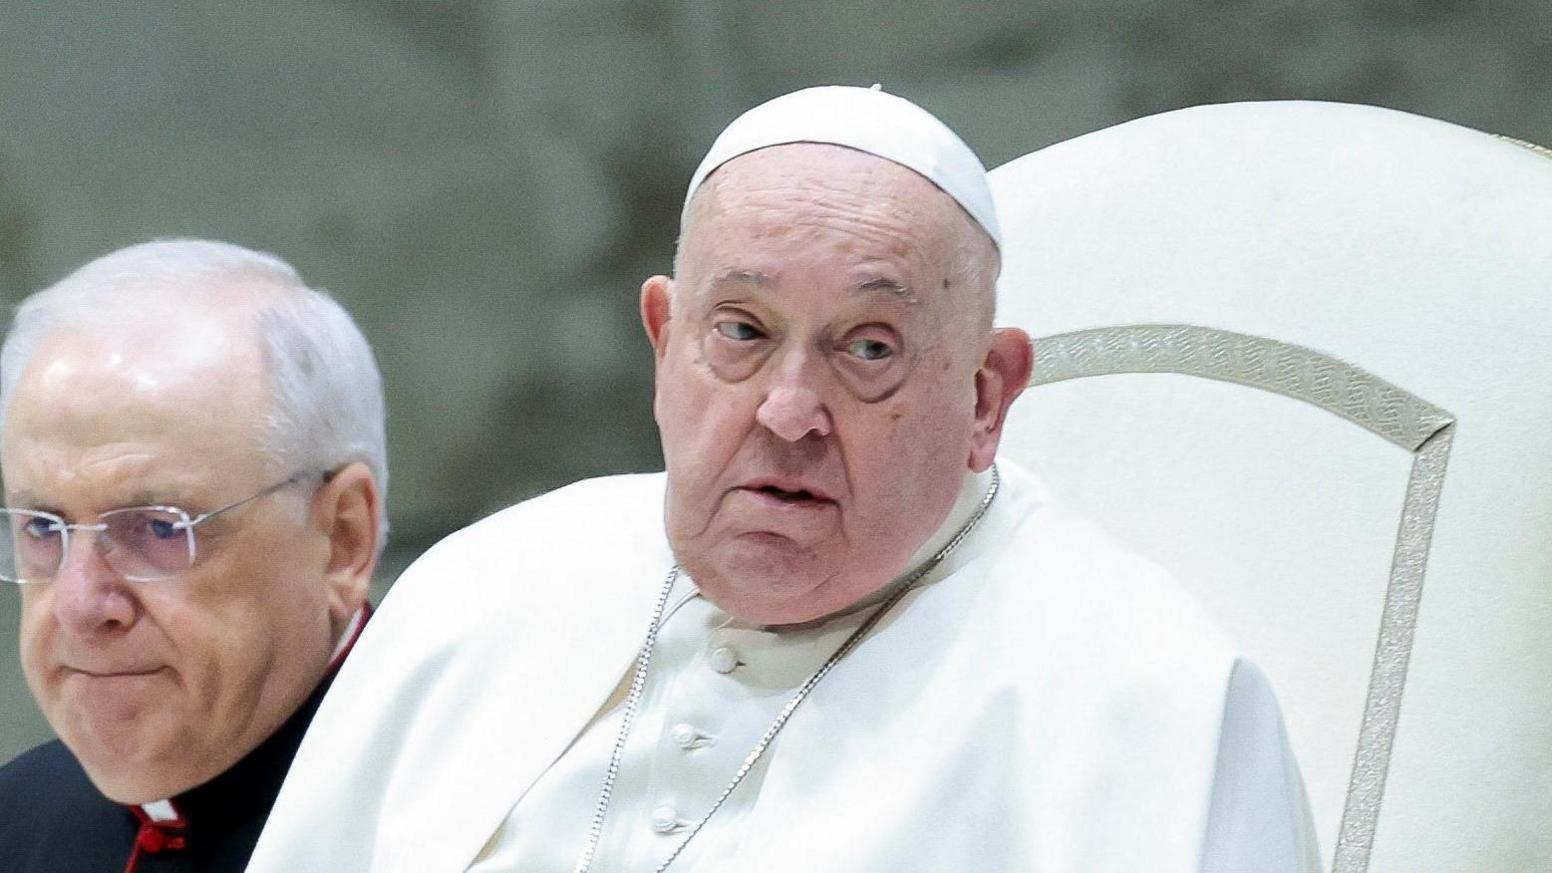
801, 495
788, 492
110, 673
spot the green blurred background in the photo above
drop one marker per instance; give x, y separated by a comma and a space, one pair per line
485, 184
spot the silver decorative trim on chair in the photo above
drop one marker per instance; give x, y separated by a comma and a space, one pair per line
1398, 621
1538, 149
1402, 418
1293, 371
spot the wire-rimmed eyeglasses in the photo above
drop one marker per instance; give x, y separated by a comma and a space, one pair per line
140, 543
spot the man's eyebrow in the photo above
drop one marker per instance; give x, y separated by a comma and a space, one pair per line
889, 286
742, 277
759, 280
27, 500
150, 498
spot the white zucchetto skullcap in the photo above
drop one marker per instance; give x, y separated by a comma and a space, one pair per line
868, 120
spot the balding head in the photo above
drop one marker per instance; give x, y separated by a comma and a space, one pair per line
139, 285
324, 393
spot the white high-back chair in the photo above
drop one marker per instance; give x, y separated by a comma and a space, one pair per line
1301, 354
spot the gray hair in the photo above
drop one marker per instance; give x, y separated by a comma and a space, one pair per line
326, 395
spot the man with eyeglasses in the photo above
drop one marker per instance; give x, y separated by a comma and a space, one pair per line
192, 446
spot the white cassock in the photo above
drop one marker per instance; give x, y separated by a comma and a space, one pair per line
1042, 701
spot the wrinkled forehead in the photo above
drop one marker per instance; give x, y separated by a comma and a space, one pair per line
866, 219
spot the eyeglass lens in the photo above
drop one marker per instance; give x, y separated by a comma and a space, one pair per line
139, 543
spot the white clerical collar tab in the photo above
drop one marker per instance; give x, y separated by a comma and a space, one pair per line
868, 120
161, 811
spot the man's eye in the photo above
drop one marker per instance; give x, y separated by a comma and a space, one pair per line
869, 349
41, 528
739, 331
164, 528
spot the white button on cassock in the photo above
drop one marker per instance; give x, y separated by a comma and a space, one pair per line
665, 820
684, 735
724, 659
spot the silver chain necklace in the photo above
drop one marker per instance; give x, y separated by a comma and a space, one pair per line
644, 657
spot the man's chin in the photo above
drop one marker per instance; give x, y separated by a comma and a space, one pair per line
766, 581
760, 578
133, 781
127, 762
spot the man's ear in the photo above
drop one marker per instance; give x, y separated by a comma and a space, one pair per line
1010, 358
347, 508
656, 301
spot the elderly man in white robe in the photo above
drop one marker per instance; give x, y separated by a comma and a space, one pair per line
837, 634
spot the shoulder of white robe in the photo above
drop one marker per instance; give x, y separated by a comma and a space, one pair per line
1259, 818
447, 622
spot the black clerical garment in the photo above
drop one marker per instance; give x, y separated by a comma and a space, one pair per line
53, 820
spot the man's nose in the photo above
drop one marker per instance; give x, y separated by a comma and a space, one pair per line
793, 407
89, 596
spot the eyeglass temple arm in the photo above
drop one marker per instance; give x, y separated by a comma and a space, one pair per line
325, 476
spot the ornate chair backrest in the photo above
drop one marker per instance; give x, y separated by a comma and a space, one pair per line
1301, 354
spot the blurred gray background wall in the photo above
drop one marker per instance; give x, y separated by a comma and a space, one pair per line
485, 184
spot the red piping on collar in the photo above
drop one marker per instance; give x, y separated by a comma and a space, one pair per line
156, 836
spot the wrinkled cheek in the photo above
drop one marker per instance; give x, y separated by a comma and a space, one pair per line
703, 429
674, 389
704, 425
883, 443
687, 513
44, 689
36, 640
902, 457
676, 429
49, 694
34, 597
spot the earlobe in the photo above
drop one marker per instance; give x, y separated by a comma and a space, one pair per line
1002, 377
656, 304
